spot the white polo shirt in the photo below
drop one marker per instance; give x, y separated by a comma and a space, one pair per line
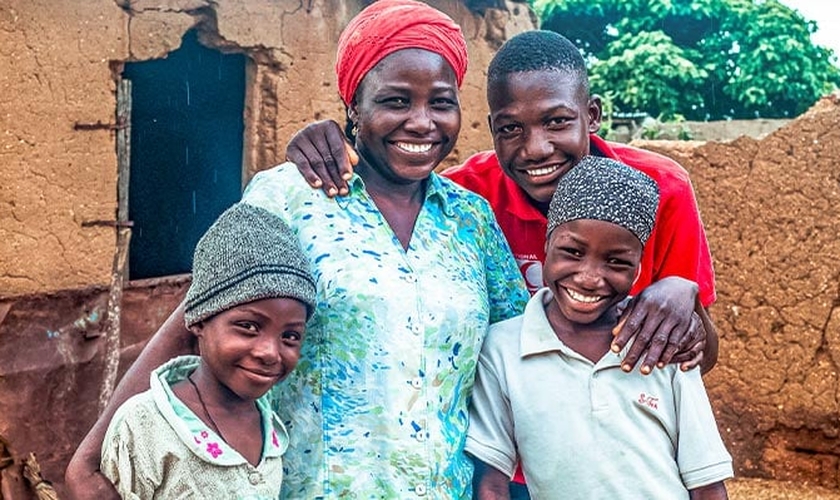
585, 430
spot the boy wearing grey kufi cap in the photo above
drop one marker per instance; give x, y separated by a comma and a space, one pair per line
603, 189
553, 366
205, 428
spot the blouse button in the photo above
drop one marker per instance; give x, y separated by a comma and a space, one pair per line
255, 478
417, 383
416, 329
420, 490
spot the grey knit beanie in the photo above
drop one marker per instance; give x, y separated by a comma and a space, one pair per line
248, 254
607, 190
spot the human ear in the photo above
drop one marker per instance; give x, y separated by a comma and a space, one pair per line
197, 329
594, 108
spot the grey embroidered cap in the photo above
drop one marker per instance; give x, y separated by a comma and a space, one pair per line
248, 254
607, 190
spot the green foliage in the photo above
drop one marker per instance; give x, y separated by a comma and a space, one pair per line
703, 59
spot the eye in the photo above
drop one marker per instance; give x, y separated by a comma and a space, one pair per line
444, 103
571, 251
395, 102
620, 264
508, 130
557, 121
292, 336
247, 327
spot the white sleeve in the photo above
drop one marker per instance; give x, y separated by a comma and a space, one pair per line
701, 455
490, 436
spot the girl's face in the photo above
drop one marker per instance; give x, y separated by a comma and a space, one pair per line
590, 266
252, 346
408, 115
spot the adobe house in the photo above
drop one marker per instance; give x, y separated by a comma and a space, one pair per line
128, 125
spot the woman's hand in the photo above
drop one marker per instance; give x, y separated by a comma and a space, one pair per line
323, 156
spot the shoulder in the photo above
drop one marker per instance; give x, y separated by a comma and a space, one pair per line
460, 199
662, 169
503, 337
479, 170
135, 414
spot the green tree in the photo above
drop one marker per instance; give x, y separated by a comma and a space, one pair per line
701, 59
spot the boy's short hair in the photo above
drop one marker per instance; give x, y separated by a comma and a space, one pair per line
248, 254
603, 189
537, 50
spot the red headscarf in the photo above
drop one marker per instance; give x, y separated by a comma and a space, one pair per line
387, 26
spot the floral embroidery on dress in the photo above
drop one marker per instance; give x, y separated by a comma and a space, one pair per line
214, 450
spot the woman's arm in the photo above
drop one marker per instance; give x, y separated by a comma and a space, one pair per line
82, 477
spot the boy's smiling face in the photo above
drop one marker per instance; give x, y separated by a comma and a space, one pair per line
590, 266
540, 122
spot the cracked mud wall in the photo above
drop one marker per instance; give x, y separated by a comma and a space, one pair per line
59, 67
772, 211
59, 63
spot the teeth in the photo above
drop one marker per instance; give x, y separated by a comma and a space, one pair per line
542, 171
414, 148
587, 299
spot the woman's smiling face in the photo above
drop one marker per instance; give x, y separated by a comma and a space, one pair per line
408, 115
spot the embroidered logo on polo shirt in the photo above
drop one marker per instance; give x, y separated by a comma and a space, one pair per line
648, 400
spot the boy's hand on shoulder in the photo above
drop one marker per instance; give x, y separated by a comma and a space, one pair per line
323, 156
666, 329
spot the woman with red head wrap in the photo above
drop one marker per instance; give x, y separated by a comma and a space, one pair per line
391, 25
410, 270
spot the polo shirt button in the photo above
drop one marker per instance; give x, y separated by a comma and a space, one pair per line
255, 478
420, 436
417, 383
420, 490
416, 329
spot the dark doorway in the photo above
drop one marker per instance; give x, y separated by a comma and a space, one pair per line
186, 152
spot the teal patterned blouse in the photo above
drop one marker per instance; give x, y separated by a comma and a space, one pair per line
377, 406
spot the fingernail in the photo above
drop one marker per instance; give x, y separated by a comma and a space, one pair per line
626, 367
615, 348
331, 192
645, 369
343, 192
317, 184
347, 176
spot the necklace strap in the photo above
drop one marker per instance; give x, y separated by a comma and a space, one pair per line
212, 422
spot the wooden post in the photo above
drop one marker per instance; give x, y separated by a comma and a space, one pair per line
112, 331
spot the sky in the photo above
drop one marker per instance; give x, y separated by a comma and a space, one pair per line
827, 18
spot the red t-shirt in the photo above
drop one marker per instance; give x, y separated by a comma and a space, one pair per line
676, 247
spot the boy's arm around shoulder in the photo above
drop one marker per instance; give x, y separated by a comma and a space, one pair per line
83, 478
490, 483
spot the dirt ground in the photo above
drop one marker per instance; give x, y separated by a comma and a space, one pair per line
764, 489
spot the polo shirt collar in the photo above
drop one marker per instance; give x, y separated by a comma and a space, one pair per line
537, 336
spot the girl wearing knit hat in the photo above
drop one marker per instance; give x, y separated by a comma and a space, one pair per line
411, 270
553, 366
205, 428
